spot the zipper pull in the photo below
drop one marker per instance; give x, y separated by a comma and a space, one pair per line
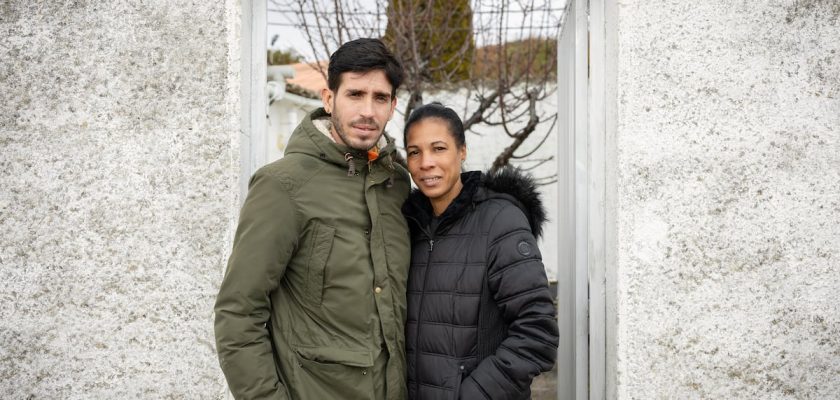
351, 165
431, 245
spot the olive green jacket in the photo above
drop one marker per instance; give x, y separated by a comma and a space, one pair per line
315, 285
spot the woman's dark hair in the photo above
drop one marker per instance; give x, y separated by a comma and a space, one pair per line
363, 55
441, 112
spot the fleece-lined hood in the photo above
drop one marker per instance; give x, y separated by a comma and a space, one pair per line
507, 183
313, 138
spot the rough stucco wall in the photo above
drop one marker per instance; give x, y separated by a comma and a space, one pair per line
728, 164
118, 128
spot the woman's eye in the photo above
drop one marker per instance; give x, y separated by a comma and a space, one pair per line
440, 148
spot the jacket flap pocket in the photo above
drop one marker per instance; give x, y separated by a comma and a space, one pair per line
319, 252
337, 356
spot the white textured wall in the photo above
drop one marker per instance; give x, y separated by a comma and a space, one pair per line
118, 131
728, 164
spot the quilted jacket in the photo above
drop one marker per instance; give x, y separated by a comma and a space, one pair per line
481, 320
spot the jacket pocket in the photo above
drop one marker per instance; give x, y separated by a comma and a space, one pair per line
332, 373
319, 253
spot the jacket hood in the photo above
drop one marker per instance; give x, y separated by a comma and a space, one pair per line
308, 139
515, 183
508, 183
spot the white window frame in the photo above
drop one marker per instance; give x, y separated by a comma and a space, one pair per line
587, 54
254, 101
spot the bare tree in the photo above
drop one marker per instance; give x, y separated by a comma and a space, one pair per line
434, 41
503, 53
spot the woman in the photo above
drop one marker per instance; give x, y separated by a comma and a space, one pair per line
481, 321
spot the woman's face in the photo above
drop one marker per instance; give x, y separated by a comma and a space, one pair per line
434, 161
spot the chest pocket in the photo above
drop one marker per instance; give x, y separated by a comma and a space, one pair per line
319, 252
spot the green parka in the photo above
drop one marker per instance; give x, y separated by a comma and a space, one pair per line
314, 293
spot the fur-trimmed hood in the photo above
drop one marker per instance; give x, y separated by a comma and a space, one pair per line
521, 186
507, 183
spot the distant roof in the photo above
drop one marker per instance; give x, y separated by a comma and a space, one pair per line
308, 78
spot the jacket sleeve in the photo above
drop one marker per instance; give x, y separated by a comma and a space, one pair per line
265, 240
517, 281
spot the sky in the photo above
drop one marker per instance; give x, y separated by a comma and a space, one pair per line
283, 21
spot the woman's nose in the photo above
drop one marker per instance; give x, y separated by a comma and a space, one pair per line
426, 162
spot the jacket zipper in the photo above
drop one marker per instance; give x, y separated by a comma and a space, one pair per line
420, 309
422, 297
457, 392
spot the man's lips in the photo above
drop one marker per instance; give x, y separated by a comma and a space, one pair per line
364, 127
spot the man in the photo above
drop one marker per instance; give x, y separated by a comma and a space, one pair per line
312, 305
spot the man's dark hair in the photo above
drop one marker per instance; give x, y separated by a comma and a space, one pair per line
363, 55
441, 112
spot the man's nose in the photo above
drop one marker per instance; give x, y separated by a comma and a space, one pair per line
367, 108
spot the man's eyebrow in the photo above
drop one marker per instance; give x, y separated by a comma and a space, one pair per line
378, 93
375, 92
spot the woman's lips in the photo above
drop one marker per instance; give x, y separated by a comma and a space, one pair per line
430, 181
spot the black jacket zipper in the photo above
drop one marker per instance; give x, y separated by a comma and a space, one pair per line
422, 296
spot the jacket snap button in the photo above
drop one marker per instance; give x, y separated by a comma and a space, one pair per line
378, 290
524, 248
364, 372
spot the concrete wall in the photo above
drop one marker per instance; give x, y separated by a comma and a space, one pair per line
119, 153
728, 199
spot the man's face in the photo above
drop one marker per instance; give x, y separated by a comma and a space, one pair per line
360, 108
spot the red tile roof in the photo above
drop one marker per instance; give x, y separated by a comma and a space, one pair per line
309, 78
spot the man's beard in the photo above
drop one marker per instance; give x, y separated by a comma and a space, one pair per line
339, 129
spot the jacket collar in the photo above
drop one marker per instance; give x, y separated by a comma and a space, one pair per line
418, 208
508, 183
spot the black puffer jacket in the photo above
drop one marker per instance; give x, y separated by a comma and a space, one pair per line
481, 322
